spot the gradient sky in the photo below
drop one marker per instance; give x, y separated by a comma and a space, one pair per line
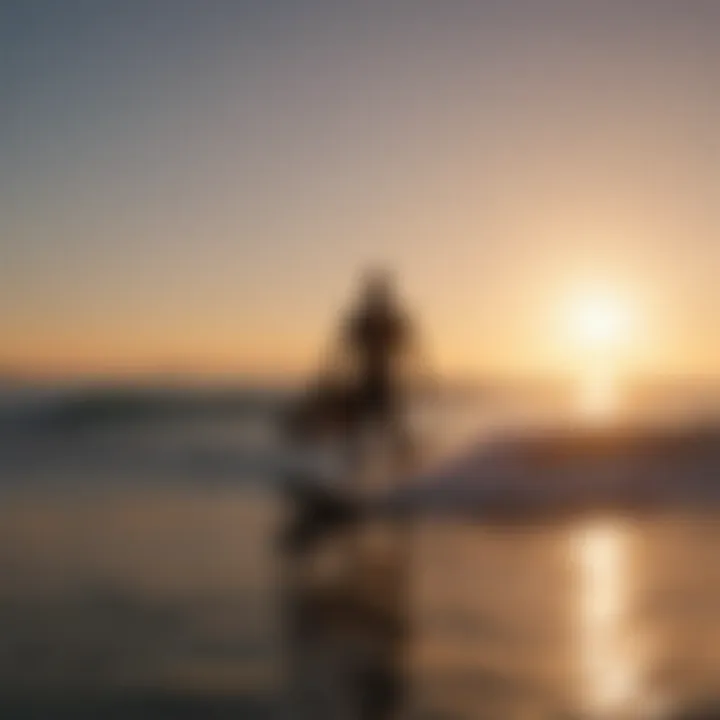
194, 185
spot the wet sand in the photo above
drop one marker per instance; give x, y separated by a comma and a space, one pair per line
167, 604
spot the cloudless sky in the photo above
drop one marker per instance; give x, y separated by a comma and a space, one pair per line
195, 184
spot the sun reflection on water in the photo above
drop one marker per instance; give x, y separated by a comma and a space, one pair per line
610, 662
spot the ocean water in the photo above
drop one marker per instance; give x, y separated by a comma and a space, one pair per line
139, 577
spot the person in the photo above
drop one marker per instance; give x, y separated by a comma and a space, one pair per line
377, 340
361, 386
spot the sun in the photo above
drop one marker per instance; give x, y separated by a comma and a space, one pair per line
599, 324
600, 320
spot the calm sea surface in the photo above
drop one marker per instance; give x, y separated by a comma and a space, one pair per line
138, 580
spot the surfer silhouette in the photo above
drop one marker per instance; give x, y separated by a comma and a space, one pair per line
361, 388
377, 335
364, 383
376, 341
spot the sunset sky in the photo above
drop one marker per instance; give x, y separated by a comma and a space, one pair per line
194, 185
